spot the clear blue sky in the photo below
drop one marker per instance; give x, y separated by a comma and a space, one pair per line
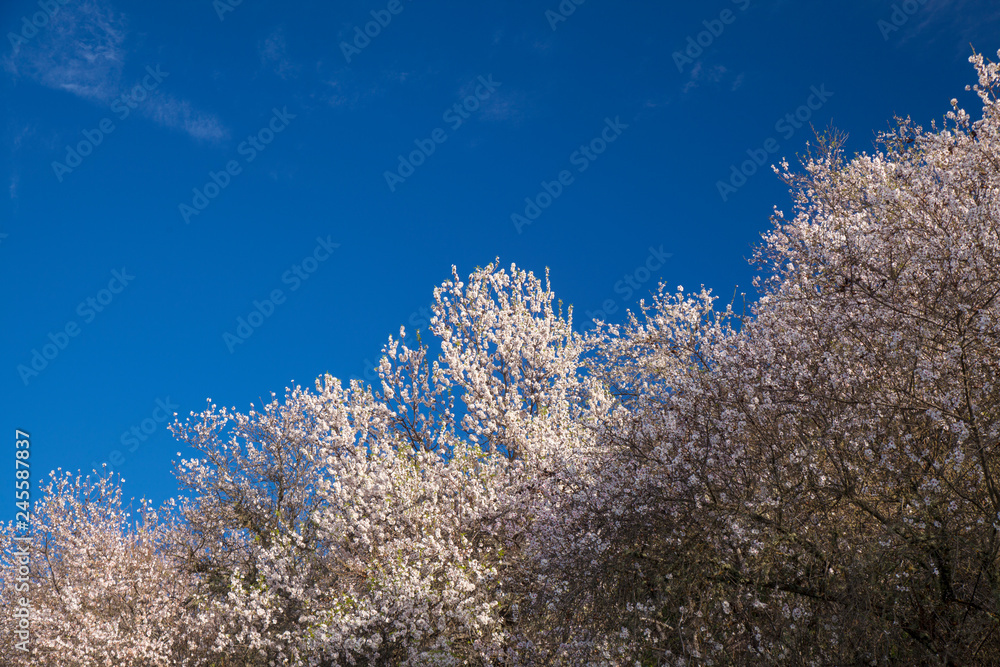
287, 118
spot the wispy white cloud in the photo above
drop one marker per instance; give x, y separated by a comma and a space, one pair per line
273, 52
353, 92
180, 115
714, 76
502, 104
962, 21
507, 106
82, 52
16, 137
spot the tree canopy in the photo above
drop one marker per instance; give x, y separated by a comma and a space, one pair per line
814, 481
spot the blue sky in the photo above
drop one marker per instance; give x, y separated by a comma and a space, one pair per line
170, 168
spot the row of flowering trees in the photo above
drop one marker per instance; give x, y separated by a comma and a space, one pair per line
814, 482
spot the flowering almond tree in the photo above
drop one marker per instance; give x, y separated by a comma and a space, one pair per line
102, 589
348, 525
819, 485
813, 482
